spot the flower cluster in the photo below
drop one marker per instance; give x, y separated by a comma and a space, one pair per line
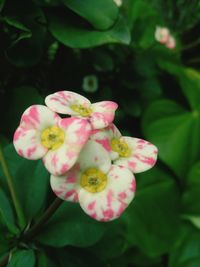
90, 162
164, 37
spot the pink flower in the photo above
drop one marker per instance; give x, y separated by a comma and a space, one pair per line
102, 189
171, 43
100, 114
162, 34
43, 134
136, 154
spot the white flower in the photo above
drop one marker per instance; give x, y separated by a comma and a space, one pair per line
103, 190
118, 2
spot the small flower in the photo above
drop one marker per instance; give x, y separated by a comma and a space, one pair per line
162, 34
118, 2
100, 114
43, 134
171, 43
136, 154
90, 83
102, 189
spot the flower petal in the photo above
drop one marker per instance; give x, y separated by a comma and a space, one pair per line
61, 101
143, 158
66, 187
77, 132
104, 137
38, 117
110, 203
27, 143
103, 114
121, 184
94, 155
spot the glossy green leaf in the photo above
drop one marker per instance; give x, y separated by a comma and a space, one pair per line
77, 36
75, 257
24, 31
31, 181
190, 198
6, 213
106, 248
153, 216
176, 133
44, 261
102, 14
189, 80
27, 48
71, 226
186, 253
22, 258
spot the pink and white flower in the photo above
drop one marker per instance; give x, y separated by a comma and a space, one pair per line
103, 190
136, 154
171, 43
100, 114
162, 34
43, 134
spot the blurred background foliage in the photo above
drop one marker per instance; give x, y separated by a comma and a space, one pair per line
106, 52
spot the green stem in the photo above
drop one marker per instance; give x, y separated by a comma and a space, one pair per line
9, 179
33, 231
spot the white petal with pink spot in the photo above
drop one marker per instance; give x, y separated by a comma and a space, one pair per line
143, 156
61, 101
106, 205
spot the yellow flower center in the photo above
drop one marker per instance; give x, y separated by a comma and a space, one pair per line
82, 110
120, 147
93, 180
52, 137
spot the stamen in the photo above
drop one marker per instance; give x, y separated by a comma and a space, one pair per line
93, 180
82, 110
120, 147
52, 137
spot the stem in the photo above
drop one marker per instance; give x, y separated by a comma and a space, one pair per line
45, 217
9, 179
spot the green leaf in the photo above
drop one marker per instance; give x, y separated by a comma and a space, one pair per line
6, 213
102, 14
190, 83
77, 36
186, 253
153, 217
189, 80
195, 220
44, 261
29, 19
71, 226
106, 248
24, 31
22, 258
173, 128
190, 198
31, 182
75, 257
